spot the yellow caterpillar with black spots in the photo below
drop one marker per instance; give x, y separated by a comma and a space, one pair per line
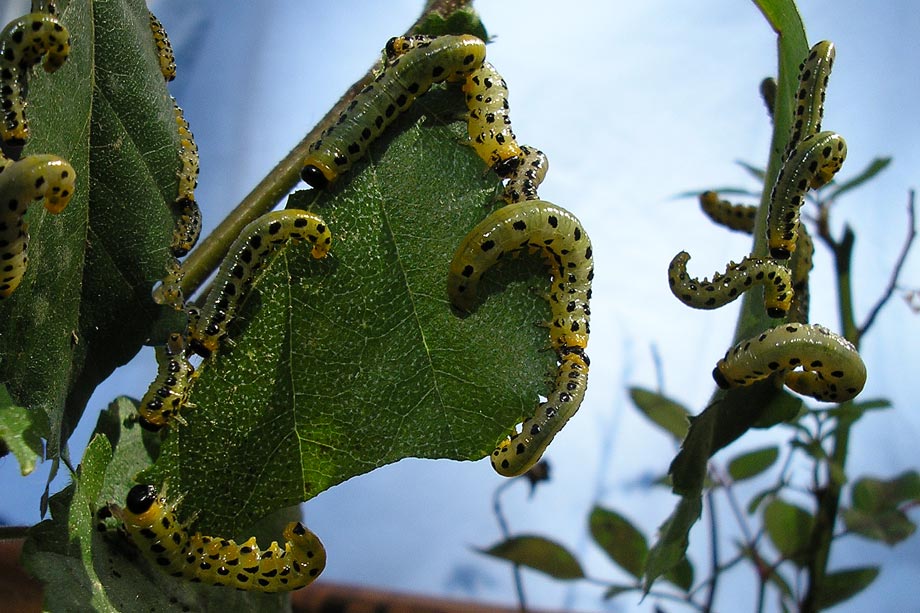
247, 256
23, 44
489, 122
832, 370
737, 279
408, 76
812, 163
33, 178
168, 394
562, 240
814, 73
151, 522
738, 217
165, 55
188, 223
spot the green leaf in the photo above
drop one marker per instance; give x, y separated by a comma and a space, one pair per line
875, 513
789, 528
103, 571
673, 538
875, 166
20, 432
752, 463
615, 590
783, 407
681, 574
619, 539
842, 585
341, 365
879, 494
668, 414
540, 554
85, 307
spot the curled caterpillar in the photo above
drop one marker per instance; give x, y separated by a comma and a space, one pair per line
23, 43
527, 177
488, 122
188, 224
562, 240
152, 524
169, 392
44, 6
247, 256
738, 217
833, 370
165, 55
32, 178
814, 73
392, 92
812, 163
737, 279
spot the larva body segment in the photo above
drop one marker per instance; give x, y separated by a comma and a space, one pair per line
392, 92
23, 44
560, 237
32, 178
832, 369
526, 178
800, 265
738, 217
165, 55
737, 279
812, 163
169, 392
247, 256
152, 524
814, 73
489, 122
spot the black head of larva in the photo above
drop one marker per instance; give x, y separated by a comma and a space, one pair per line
314, 177
141, 498
151, 427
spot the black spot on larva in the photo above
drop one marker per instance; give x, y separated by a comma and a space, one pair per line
487, 245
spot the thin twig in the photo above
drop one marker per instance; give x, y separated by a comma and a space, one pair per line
896, 271
714, 551
506, 534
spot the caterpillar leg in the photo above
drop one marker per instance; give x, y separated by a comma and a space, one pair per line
151, 522
832, 370
737, 279
559, 236
23, 44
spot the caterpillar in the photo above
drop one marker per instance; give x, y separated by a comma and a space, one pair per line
44, 6
488, 122
738, 217
814, 73
392, 92
169, 392
247, 256
833, 370
23, 43
30, 179
188, 224
151, 522
567, 248
812, 163
165, 55
737, 279
168, 291
800, 266
527, 177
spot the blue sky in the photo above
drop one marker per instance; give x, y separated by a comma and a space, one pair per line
633, 102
